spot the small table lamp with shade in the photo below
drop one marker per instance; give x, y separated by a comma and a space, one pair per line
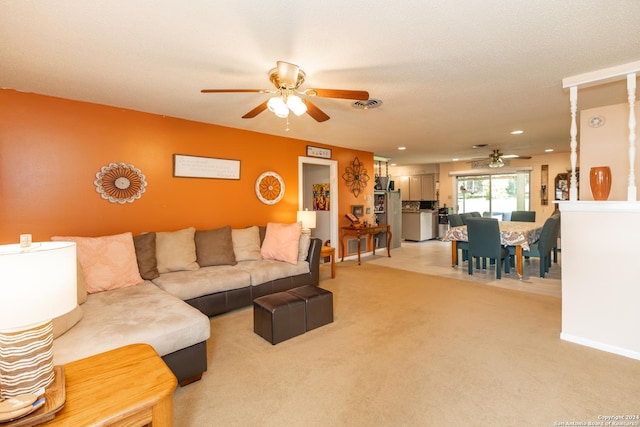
37, 284
308, 220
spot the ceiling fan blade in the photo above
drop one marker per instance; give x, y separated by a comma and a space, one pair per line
360, 95
315, 112
259, 109
515, 156
233, 90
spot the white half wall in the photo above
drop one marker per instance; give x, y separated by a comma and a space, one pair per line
601, 275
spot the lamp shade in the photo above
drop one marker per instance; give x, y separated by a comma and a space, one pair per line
308, 219
37, 283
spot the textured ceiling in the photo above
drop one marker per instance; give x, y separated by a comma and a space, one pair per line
450, 74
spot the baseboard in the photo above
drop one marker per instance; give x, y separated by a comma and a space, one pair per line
600, 346
352, 257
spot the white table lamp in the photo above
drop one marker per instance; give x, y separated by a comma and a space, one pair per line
37, 284
308, 219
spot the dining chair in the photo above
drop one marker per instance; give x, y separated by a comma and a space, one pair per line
523, 216
484, 242
476, 215
543, 247
465, 216
456, 221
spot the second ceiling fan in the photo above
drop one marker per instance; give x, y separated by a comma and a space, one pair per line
496, 158
287, 79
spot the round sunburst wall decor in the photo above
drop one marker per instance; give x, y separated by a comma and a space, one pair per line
120, 183
270, 188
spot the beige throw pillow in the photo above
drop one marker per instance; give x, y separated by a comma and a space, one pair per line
246, 243
303, 249
176, 250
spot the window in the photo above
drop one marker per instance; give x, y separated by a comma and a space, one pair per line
494, 194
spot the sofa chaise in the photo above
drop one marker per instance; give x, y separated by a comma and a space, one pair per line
181, 278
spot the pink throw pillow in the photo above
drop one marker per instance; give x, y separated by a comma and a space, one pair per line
281, 242
108, 262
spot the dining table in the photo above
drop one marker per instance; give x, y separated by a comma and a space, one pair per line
519, 234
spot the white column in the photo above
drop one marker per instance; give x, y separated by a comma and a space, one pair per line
631, 89
573, 188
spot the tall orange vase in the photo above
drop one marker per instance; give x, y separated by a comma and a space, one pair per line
600, 182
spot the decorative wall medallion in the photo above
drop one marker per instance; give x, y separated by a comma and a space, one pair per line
356, 177
269, 188
120, 183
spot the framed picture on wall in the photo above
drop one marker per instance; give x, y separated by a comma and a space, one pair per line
323, 153
357, 210
321, 197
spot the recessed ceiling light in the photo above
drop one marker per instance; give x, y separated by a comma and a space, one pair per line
479, 145
517, 132
402, 148
455, 160
548, 150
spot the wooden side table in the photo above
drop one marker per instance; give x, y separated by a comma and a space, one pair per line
328, 251
129, 386
365, 231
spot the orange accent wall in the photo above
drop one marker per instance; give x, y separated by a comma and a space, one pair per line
52, 148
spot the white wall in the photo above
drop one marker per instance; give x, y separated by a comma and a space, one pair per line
600, 280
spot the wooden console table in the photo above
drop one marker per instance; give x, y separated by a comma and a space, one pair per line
368, 231
129, 386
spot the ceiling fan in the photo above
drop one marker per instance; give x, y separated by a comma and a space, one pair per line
287, 78
496, 158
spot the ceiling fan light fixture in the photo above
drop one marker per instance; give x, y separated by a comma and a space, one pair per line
496, 163
287, 74
296, 105
277, 106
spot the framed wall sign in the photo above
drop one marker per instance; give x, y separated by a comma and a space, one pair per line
205, 167
323, 153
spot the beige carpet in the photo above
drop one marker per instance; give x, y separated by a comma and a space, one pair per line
408, 349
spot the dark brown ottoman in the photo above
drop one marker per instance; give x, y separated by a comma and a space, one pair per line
318, 302
278, 317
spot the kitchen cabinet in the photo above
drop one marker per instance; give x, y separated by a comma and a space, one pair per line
402, 185
417, 187
428, 187
419, 226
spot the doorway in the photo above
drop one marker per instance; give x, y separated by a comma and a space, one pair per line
313, 171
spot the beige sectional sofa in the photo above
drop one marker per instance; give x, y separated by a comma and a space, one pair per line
181, 278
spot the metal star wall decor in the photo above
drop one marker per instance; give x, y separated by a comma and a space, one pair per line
356, 177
